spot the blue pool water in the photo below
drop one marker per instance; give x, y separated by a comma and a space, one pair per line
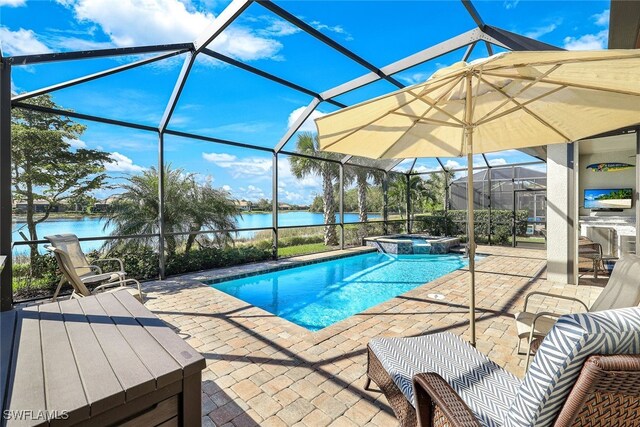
317, 295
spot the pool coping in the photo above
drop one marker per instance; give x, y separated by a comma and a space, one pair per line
286, 264
337, 327
215, 275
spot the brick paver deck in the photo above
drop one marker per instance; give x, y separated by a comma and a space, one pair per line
263, 370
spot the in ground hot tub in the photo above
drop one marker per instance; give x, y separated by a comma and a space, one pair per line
411, 244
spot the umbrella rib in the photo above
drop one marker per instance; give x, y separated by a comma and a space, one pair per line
446, 113
427, 120
486, 119
531, 113
444, 80
420, 117
521, 91
385, 114
568, 84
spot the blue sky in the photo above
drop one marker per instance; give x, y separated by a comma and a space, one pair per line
226, 102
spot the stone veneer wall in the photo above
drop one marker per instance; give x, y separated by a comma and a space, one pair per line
402, 245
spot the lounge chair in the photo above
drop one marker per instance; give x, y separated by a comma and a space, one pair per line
80, 289
622, 290
89, 274
586, 372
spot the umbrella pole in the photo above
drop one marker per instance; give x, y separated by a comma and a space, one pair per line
472, 245
470, 217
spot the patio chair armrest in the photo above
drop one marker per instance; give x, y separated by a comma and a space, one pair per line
546, 294
122, 282
435, 398
535, 319
112, 259
95, 268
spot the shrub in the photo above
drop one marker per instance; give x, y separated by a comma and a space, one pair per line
140, 262
207, 258
455, 224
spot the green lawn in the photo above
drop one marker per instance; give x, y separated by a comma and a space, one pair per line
529, 239
303, 249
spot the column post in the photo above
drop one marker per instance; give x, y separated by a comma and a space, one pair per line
408, 196
161, 207
637, 250
6, 277
274, 205
385, 203
341, 207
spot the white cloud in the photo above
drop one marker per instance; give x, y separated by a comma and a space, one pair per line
414, 78
338, 29
251, 192
510, 4
21, 42
419, 76
308, 125
452, 164
227, 188
424, 169
122, 163
278, 28
602, 18
587, 42
218, 158
297, 198
541, 31
241, 166
240, 127
497, 162
595, 41
75, 43
76, 143
13, 3
145, 22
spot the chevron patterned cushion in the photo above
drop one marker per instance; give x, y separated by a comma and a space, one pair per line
484, 386
559, 360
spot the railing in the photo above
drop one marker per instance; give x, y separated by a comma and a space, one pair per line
31, 284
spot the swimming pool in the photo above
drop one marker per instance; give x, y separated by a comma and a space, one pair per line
315, 296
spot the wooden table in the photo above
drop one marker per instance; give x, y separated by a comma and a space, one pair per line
99, 360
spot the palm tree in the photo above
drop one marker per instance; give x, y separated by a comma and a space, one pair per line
211, 208
362, 177
189, 206
302, 167
436, 186
398, 191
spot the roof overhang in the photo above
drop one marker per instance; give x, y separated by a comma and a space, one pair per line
624, 25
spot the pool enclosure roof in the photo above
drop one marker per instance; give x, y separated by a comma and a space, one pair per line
489, 37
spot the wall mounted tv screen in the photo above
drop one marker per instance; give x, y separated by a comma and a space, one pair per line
609, 198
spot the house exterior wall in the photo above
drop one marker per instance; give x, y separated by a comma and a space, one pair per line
562, 166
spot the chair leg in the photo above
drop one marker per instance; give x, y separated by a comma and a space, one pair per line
367, 383
526, 368
60, 283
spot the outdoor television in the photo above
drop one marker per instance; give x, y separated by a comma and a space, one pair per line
608, 198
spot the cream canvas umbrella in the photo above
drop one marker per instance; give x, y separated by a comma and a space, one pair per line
507, 101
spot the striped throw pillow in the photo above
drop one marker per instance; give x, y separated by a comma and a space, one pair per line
559, 360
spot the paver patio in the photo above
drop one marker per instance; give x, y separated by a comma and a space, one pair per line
264, 370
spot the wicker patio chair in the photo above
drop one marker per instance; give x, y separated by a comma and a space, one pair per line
89, 274
586, 372
621, 291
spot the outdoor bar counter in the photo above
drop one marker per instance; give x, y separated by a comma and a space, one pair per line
99, 360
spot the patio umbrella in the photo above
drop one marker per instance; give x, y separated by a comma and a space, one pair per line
507, 101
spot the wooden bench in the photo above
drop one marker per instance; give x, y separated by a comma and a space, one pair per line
100, 360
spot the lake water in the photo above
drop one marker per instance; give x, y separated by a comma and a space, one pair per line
92, 226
